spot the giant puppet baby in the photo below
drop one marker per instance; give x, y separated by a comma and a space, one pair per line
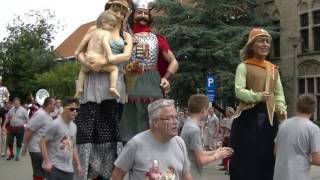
153, 53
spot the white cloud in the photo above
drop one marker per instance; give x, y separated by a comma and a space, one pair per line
72, 13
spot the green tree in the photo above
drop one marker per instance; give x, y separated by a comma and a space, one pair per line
60, 81
206, 37
26, 51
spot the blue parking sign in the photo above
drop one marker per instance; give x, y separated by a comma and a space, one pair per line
210, 88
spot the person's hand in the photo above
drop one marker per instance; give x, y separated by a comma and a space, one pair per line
223, 152
165, 85
4, 130
283, 115
265, 96
111, 58
47, 167
79, 170
24, 151
96, 66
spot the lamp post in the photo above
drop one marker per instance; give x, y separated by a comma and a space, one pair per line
295, 42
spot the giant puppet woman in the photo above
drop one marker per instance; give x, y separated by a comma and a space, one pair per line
151, 51
259, 89
97, 120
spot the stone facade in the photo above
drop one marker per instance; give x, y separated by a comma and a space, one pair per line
299, 42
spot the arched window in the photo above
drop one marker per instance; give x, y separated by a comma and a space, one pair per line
316, 24
309, 81
304, 26
276, 40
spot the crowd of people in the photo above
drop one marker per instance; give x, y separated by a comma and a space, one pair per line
121, 123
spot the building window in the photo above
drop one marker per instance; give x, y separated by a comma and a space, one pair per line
311, 85
301, 86
318, 85
316, 29
276, 40
304, 31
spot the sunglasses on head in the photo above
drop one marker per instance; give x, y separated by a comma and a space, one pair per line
72, 108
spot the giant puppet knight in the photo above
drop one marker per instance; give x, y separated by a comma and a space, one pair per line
153, 53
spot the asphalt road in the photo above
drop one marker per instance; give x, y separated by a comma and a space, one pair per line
21, 170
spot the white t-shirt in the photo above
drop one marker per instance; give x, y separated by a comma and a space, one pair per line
296, 140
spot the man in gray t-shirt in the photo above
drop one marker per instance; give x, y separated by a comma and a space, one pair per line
198, 109
59, 145
297, 142
36, 128
158, 152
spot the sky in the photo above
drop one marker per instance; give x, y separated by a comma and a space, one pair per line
71, 13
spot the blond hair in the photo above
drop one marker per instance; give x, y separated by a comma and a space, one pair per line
105, 17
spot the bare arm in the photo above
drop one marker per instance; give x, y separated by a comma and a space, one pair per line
315, 158
187, 176
47, 166
125, 56
202, 158
106, 46
44, 149
171, 59
5, 123
117, 174
205, 157
80, 55
83, 43
76, 159
26, 139
172, 68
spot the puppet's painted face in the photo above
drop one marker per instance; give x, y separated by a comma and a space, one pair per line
142, 16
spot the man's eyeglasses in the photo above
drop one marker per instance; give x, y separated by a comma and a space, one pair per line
72, 109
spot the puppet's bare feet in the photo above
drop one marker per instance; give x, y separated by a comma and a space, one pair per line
114, 92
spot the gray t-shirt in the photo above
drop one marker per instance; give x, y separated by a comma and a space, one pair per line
191, 136
39, 124
296, 140
18, 116
62, 138
142, 150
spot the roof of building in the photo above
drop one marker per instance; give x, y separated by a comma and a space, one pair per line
68, 46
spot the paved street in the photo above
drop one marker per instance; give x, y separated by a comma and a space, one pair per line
21, 170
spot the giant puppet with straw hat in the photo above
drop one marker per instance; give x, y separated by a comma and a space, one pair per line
152, 52
259, 90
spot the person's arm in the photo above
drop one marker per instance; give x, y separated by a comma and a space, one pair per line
76, 160
118, 173
243, 94
8, 117
81, 54
281, 106
26, 139
7, 96
106, 46
83, 43
187, 176
205, 157
47, 166
125, 56
172, 68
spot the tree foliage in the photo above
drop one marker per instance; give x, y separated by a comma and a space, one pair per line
60, 81
206, 37
26, 51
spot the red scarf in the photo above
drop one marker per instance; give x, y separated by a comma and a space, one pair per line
137, 28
